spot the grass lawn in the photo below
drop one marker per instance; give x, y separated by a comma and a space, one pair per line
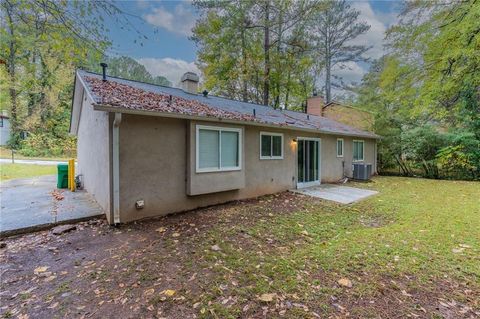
7, 153
11, 171
411, 251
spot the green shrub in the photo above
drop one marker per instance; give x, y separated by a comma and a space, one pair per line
46, 145
461, 159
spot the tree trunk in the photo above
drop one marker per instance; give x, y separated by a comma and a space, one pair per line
266, 49
328, 61
11, 71
257, 87
287, 90
327, 82
244, 66
279, 58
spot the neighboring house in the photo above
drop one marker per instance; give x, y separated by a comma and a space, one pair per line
342, 113
4, 129
147, 150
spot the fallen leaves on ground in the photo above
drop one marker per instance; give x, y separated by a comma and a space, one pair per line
40, 269
267, 297
161, 229
57, 194
169, 292
345, 282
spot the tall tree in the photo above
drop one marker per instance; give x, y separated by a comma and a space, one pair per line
429, 84
332, 31
256, 51
128, 68
42, 42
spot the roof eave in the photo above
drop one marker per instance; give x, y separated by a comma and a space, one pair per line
107, 108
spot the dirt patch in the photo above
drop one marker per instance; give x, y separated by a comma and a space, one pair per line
167, 267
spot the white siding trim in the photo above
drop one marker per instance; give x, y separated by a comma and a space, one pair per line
116, 167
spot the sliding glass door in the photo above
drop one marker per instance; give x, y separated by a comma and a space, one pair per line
308, 162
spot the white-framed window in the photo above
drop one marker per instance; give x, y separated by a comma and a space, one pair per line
271, 145
218, 149
339, 147
358, 149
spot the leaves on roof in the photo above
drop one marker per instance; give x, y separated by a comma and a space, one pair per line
110, 93
114, 94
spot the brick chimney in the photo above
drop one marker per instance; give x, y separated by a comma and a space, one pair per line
189, 82
315, 105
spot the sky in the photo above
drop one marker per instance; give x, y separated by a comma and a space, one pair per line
168, 51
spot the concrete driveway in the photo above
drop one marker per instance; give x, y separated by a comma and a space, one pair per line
27, 204
336, 193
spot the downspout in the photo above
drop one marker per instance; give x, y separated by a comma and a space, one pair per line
116, 167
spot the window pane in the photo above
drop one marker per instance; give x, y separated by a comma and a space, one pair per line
312, 160
357, 151
266, 145
208, 148
277, 145
301, 162
339, 147
229, 142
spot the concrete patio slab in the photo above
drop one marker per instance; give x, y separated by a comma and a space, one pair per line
336, 193
29, 204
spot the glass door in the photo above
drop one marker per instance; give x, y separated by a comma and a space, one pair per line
308, 162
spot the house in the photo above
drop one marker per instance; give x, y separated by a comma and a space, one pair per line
146, 150
4, 128
342, 113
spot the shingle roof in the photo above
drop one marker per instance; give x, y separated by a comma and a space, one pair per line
132, 95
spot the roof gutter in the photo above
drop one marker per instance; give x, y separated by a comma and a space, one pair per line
99, 107
116, 166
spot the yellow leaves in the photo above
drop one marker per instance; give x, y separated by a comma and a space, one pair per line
168, 292
161, 229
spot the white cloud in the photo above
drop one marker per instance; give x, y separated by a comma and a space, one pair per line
379, 23
351, 72
172, 69
180, 21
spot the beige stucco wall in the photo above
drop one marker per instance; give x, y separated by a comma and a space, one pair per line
157, 164
93, 153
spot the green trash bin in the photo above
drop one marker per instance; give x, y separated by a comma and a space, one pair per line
62, 175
